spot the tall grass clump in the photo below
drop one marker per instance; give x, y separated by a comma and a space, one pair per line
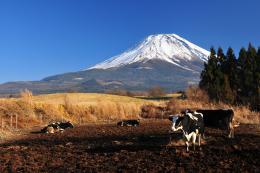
198, 99
26, 103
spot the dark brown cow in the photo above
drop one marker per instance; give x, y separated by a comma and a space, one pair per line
219, 118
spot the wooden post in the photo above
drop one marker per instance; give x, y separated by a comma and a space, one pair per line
16, 120
41, 118
2, 123
79, 120
11, 121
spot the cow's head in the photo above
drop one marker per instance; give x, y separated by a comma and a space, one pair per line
172, 117
183, 112
177, 123
70, 125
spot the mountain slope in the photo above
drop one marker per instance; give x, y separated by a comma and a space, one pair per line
165, 60
166, 47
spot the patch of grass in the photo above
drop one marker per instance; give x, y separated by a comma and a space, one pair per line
78, 108
158, 98
84, 98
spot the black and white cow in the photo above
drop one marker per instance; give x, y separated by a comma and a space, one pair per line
51, 128
191, 125
219, 118
65, 125
56, 127
128, 123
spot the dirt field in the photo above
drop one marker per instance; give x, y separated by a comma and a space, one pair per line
108, 148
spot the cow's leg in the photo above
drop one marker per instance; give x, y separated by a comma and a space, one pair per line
231, 130
199, 139
187, 139
203, 136
194, 140
187, 146
232, 133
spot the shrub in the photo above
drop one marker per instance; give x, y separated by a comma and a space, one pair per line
196, 94
156, 91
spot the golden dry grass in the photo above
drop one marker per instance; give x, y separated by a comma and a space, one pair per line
84, 98
198, 99
76, 107
243, 114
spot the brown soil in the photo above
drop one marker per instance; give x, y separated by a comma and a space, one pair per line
108, 148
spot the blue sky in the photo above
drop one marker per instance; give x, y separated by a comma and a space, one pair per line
39, 38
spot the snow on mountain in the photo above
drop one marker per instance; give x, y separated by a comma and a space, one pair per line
166, 47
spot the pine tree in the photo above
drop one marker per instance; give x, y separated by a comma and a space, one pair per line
221, 58
249, 69
230, 69
227, 93
211, 76
207, 76
241, 91
257, 76
233, 80
221, 55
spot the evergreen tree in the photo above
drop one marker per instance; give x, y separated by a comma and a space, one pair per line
241, 72
233, 80
227, 94
257, 76
211, 76
221, 58
249, 69
207, 73
230, 69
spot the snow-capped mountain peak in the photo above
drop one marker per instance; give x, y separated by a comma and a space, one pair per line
166, 47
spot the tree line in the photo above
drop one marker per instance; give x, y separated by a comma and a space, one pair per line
231, 79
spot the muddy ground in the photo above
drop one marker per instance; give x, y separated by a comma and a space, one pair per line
108, 148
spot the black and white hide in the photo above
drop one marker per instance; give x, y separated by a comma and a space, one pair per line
65, 125
128, 123
52, 128
191, 125
57, 127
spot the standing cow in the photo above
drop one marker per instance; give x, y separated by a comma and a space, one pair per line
219, 118
191, 125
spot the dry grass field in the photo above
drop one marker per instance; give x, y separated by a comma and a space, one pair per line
29, 111
85, 98
79, 108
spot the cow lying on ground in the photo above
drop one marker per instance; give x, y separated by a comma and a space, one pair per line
57, 127
192, 126
128, 123
65, 125
219, 118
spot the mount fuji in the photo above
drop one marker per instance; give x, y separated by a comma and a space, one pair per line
169, 48
165, 60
